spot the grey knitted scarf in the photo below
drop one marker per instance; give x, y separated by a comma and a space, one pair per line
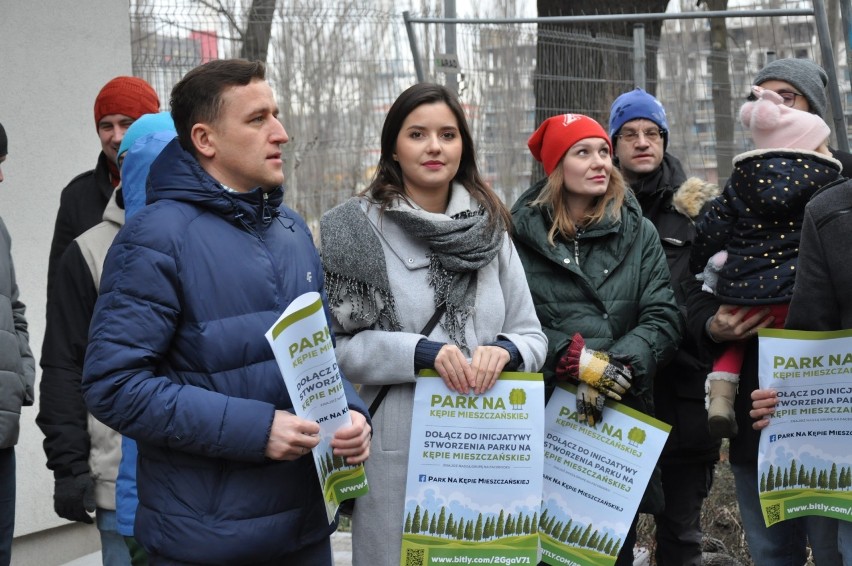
355, 268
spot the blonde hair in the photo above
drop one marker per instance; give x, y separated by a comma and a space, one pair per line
555, 195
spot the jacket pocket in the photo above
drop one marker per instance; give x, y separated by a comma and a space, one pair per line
12, 391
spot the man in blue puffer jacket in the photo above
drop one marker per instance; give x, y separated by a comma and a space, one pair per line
177, 357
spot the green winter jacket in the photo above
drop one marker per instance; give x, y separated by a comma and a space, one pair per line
619, 297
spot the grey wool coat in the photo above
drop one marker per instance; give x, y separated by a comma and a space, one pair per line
372, 358
17, 366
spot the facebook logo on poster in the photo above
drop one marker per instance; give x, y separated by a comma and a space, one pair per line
772, 438
421, 478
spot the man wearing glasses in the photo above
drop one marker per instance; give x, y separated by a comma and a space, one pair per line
801, 83
639, 131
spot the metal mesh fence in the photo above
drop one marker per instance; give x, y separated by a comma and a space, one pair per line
337, 66
335, 70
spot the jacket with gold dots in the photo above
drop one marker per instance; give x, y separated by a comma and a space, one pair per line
758, 220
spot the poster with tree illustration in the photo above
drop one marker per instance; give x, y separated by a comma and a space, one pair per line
304, 351
473, 490
804, 465
594, 478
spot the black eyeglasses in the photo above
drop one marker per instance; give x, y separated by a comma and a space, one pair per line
631, 136
788, 95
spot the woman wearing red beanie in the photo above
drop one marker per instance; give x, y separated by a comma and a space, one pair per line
598, 277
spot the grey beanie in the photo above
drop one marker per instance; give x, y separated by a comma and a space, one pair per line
808, 77
4, 142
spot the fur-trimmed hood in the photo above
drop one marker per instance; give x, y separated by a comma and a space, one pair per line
693, 195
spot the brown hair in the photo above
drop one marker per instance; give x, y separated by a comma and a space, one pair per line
555, 195
197, 97
387, 184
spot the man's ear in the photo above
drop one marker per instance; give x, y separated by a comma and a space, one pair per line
203, 138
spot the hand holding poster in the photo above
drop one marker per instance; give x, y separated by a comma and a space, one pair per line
474, 473
594, 478
302, 344
804, 465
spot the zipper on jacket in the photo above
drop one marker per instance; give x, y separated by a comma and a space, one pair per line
265, 215
238, 216
577, 246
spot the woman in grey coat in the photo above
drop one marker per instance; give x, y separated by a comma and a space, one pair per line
427, 236
17, 375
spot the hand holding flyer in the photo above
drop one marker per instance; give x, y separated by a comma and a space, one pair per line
301, 342
473, 489
594, 478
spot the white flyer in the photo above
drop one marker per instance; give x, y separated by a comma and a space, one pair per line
303, 348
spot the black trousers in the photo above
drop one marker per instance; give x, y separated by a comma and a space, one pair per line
7, 503
685, 487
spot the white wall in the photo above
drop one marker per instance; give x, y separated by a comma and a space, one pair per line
55, 56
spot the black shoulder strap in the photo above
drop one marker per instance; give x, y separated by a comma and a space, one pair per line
427, 330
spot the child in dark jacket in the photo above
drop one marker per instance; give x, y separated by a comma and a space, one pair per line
757, 220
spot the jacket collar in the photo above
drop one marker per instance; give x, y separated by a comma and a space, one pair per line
666, 178
103, 179
176, 175
531, 224
784, 153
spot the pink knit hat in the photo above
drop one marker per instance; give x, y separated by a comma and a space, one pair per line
774, 125
557, 134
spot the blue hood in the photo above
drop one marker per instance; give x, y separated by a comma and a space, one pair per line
177, 175
135, 167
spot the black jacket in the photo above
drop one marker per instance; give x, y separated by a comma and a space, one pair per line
62, 414
672, 203
845, 159
701, 306
825, 274
63, 417
81, 206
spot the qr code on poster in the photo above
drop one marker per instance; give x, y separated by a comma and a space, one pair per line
414, 557
773, 514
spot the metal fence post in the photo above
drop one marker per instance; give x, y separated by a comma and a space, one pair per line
846, 26
450, 42
639, 56
412, 43
846, 17
821, 20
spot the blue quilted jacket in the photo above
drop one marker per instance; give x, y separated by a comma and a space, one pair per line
178, 361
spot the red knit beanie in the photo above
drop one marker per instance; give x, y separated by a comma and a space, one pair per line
557, 134
130, 96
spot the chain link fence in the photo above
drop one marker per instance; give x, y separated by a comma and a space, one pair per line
337, 66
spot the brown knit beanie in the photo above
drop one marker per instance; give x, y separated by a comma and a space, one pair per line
130, 96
